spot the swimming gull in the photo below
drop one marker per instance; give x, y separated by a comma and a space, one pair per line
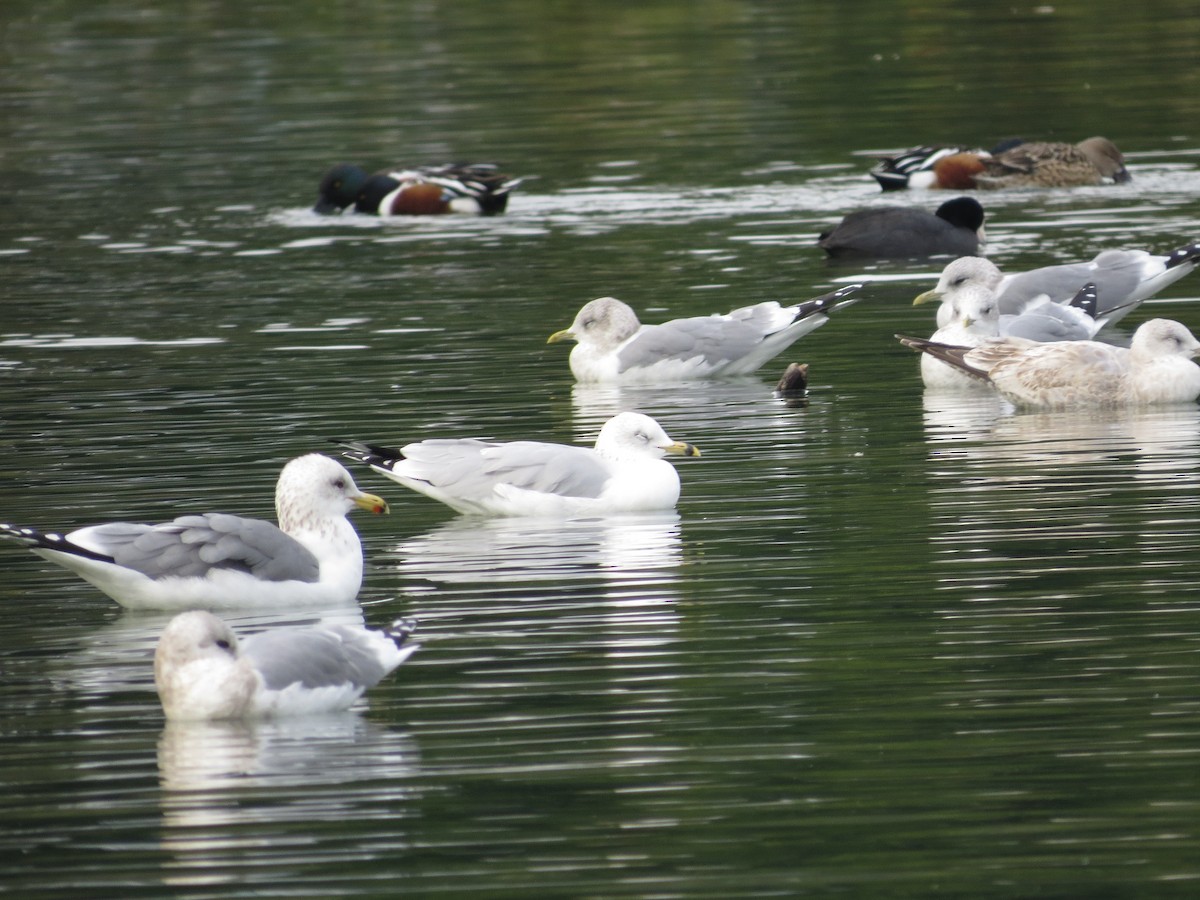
955, 229
1123, 279
1156, 368
613, 346
202, 670
625, 472
216, 560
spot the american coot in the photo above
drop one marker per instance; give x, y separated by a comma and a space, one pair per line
956, 229
474, 188
613, 346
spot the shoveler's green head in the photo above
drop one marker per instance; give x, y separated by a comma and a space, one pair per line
339, 188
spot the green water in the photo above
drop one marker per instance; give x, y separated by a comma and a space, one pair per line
889, 645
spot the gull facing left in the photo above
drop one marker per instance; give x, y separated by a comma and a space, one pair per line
613, 346
202, 671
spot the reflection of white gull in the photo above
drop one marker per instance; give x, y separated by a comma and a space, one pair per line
202, 671
626, 547
1123, 279
221, 561
612, 345
228, 787
624, 472
1156, 368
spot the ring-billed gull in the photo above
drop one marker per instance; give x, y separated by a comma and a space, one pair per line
613, 346
216, 560
202, 670
975, 319
624, 472
477, 188
955, 229
1123, 279
1156, 368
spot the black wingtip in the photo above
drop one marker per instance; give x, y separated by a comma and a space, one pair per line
371, 454
1188, 253
401, 630
40, 540
1086, 299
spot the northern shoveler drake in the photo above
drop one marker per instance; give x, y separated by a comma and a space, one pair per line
956, 229
474, 188
935, 166
1050, 164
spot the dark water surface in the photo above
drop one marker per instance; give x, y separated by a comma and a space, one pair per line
889, 644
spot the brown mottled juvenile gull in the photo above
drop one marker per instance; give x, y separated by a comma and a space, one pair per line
613, 346
202, 670
1157, 368
216, 560
624, 472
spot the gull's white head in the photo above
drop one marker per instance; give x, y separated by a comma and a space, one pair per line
976, 309
315, 488
196, 669
631, 435
964, 271
1157, 338
603, 323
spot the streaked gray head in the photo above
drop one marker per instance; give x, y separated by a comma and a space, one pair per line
195, 635
969, 270
1163, 337
316, 488
605, 322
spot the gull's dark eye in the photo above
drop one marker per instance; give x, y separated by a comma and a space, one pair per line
223, 644
339, 483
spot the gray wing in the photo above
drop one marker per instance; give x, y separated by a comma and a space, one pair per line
715, 339
192, 546
1050, 322
1116, 273
329, 656
471, 468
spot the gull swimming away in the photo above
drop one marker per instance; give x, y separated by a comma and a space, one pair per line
1156, 368
954, 229
202, 671
216, 560
1123, 279
613, 346
624, 472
